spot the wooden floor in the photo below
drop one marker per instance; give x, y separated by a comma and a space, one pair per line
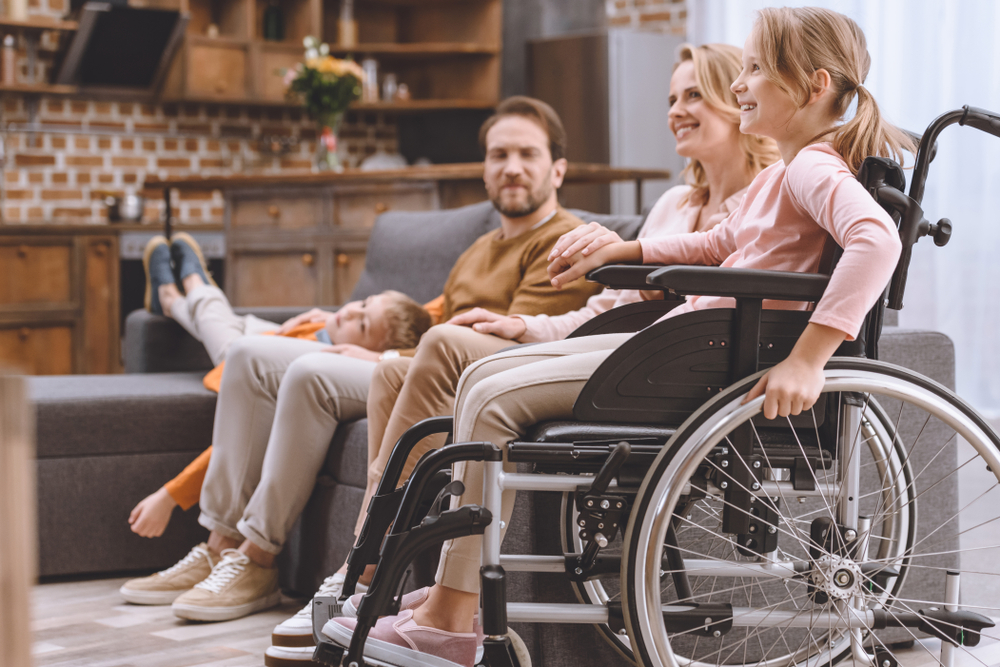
86, 623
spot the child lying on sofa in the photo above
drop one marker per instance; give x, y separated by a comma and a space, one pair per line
390, 320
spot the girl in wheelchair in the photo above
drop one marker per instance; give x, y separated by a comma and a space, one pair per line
802, 68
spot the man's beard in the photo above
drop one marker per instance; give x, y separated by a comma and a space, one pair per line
534, 201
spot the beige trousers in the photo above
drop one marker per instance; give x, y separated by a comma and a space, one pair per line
280, 402
206, 314
408, 389
499, 399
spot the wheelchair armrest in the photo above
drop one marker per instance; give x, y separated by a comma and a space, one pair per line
740, 283
624, 276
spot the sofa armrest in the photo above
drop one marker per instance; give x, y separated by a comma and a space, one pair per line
157, 344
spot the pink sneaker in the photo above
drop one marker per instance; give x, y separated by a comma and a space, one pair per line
398, 640
410, 601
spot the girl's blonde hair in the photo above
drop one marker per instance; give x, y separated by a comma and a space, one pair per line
716, 66
792, 43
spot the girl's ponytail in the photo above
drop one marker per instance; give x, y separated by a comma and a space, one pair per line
792, 43
868, 134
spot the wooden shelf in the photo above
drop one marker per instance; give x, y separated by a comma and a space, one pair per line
221, 40
417, 49
38, 89
37, 23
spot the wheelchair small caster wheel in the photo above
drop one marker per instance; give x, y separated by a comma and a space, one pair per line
884, 658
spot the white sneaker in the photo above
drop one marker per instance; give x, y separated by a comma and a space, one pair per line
297, 631
289, 656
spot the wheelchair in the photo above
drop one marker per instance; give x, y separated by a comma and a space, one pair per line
695, 531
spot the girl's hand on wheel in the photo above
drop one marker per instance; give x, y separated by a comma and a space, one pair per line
795, 384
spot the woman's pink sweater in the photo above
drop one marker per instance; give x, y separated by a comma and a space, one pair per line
783, 224
666, 218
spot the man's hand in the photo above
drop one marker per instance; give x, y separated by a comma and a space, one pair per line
488, 322
314, 315
564, 270
585, 239
354, 351
795, 384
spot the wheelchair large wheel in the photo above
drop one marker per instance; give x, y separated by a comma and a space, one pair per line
818, 555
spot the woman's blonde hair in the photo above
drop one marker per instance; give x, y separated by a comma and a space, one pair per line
716, 66
792, 43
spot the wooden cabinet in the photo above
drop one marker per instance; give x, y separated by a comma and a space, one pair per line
306, 246
447, 52
59, 301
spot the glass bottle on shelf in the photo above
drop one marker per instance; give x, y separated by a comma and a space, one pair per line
347, 27
369, 90
9, 60
274, 23
389, 87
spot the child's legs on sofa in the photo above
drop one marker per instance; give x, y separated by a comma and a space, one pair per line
206, 314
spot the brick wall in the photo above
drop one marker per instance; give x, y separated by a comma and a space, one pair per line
111, 147
661, 15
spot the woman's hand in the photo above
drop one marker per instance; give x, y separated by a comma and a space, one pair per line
564, 270
487, 322
794, 385
354, 351
585, 239
314, 315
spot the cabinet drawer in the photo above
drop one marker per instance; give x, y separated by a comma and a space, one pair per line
359, 207
289, 278
348, 265
217, 71
38, 349
277, 212
34, 273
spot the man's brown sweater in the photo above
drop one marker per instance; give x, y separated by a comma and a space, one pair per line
508, 276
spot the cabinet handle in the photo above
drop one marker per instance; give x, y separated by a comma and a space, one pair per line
22, 251
308, 259
381, 207
274, 211
99, 249
23, 333
343, 260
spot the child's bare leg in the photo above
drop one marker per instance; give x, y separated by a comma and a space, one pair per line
447, 609
366, 576
150, 517
168, 293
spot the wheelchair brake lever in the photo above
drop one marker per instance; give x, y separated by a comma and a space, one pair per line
453, 488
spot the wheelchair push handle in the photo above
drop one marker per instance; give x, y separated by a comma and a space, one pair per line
981, 119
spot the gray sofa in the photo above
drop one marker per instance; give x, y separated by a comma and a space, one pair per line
104, 442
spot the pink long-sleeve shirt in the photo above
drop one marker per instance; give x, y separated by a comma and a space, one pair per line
667, 217
783, 224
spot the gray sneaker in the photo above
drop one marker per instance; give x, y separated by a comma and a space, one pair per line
166, 586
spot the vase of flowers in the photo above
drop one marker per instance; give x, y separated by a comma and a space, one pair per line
326, 86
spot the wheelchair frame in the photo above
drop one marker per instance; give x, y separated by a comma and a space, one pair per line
603, 503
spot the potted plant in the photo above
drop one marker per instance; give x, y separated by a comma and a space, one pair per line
325, 86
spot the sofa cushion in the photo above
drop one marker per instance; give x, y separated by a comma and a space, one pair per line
98, 415
413, 252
